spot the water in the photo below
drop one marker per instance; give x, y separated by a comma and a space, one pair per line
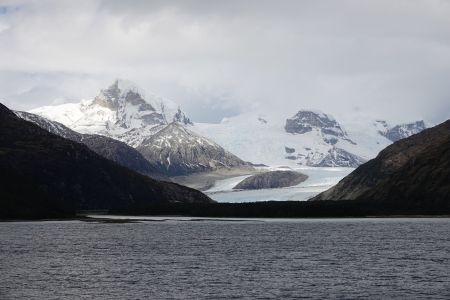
259, 259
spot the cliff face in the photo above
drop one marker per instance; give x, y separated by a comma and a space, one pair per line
46, 174
414, 170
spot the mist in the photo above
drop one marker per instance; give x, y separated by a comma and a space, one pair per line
219, 59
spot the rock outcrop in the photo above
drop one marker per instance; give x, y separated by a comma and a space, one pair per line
270, 180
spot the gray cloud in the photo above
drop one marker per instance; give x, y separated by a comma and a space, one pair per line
217, 58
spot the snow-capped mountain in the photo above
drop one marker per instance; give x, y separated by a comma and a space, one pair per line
309, 138
325, 125
151, 124
321, 126
122, 111
179, 151
401, 131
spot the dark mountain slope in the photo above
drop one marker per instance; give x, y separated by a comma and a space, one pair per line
109, 148
44, 174
413, 171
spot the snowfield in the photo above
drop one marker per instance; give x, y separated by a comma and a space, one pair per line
262, 139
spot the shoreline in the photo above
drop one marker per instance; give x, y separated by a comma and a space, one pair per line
122, 219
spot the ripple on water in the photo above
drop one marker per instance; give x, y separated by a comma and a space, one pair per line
378, 258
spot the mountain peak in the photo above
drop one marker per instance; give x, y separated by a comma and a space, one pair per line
119, 94
305, 121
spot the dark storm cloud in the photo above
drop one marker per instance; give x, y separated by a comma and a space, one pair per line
387, 58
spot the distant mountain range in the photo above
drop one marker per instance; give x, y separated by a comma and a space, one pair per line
175, 145
309, 138
45, 174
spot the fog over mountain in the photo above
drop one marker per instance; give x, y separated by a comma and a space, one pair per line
388, 59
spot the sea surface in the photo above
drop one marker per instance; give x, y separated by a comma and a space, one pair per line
183, 258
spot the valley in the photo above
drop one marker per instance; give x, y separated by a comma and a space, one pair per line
207, 156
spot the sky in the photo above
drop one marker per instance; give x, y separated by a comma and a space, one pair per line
388, 59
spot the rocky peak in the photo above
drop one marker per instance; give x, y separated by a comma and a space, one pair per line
180, 117
306, 121
121, 93
108, 97
132, 109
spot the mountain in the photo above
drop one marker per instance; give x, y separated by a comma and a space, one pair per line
179, 151
412, 171
306, 121
401, 131
47, 175
321, 126
122, 111
109, 148
125, 112
308, 138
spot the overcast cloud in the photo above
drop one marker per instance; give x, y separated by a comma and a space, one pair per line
218, 58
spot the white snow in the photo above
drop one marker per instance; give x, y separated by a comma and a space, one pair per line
260, 142
126, 123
